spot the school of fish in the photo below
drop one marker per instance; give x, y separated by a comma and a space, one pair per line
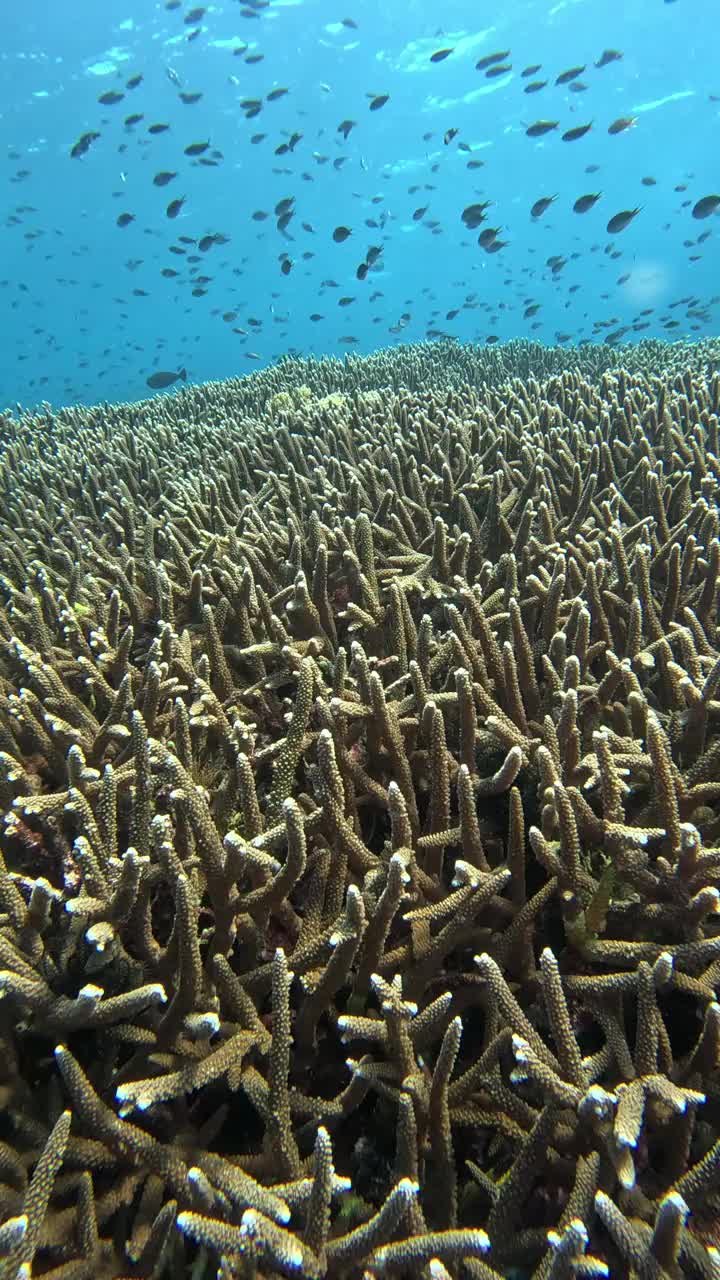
232, 256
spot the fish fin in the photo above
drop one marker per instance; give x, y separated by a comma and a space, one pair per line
183, 374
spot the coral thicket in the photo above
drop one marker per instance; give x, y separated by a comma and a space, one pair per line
360, 842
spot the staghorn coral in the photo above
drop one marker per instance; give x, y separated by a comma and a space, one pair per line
359, 868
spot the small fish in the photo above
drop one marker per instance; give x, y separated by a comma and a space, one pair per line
541, 205
173, 76
449, 135
706, 206
488, 236
174, 207
572, 135
345, 126
125, 219
620, 221
340, 234
474, 214
286, 266
531, 71
83, 144
189, 98
110, 98
583, 203
490, 58
161, 179
440, 55
621, 124
134, 81
378, 100
607, 56
349, 22
541, 127
534, 86
498, 70
275, 94
649, 182
129, 121
196, 148
572, 74
164, 379
195, 15
158, 128
420, 213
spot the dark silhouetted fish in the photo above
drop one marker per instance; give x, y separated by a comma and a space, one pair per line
607, 56
541, 127
490, 58
621, 124
572, 135
83, 144
474, 214
583, 203
165, 379
571, 74
541, 205
706, 206
620, 221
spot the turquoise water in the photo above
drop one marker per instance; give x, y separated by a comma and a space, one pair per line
89, 310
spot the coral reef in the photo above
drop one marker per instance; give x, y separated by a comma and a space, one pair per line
360, 857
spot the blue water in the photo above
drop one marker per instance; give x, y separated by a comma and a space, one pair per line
86, 313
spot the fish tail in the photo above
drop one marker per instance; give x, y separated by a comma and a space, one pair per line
183, 374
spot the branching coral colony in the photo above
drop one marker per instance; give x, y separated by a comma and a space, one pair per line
360, 772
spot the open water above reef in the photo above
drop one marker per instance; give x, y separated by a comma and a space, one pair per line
211, 188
